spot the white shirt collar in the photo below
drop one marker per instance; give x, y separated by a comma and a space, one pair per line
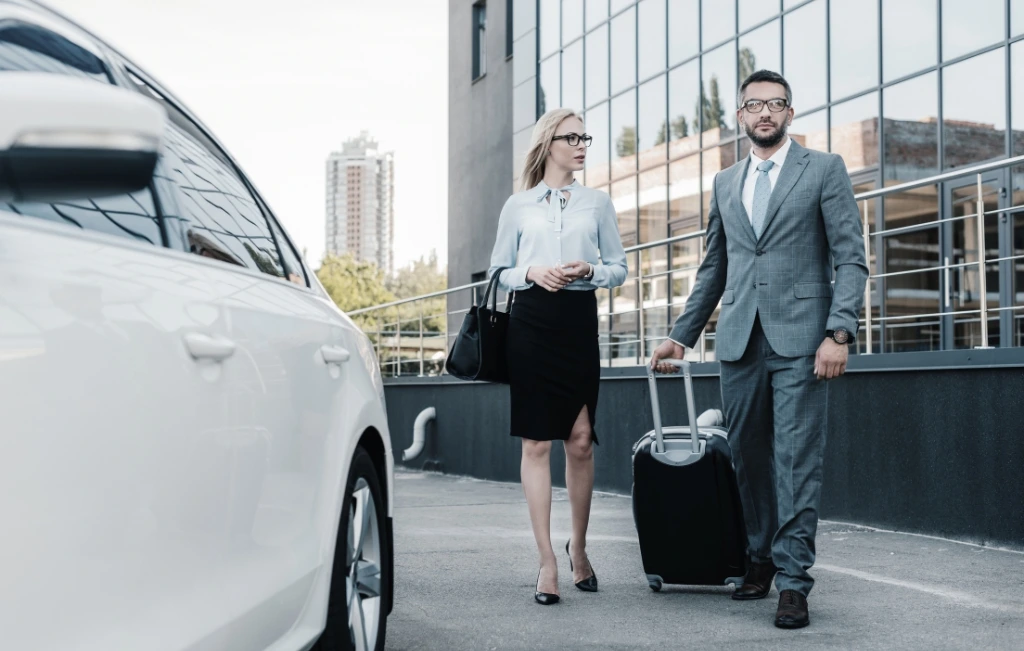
779, 157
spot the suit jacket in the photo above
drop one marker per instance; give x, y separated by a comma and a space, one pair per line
785, 276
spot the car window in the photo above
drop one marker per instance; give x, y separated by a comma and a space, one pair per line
296, 273
206, 206
31, 48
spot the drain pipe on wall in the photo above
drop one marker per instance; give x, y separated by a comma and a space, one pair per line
419, 434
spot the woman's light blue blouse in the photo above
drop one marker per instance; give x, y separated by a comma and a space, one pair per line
534, 232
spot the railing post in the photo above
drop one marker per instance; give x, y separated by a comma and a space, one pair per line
421, 337
379, 360
398, 339
447, 315
982, 280
640, 311
867, 286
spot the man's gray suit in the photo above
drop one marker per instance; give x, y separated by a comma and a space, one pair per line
777, 302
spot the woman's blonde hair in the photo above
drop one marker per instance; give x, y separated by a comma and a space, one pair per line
536, 155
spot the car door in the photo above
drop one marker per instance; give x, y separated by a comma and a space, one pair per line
278, 453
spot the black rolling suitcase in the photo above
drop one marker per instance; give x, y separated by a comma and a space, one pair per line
686, 505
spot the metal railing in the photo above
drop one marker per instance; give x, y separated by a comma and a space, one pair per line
421, 350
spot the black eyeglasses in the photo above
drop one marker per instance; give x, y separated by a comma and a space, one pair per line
774, 105
573, 139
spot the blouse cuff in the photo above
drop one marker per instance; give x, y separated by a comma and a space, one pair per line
514, 279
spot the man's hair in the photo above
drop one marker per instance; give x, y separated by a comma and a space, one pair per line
765, 75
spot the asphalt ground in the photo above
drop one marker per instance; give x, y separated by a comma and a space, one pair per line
466, 564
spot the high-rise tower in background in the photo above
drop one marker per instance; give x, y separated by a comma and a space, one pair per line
360, 202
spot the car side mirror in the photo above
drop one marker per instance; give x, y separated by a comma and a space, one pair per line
64, 138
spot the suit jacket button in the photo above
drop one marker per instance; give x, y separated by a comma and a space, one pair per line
755, 285
759, 252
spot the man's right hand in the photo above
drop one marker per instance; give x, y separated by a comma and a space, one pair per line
667, 350
550, 278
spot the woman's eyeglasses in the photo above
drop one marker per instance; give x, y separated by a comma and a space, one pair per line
573, 139
774, 105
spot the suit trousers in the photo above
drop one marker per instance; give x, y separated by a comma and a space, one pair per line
776, 409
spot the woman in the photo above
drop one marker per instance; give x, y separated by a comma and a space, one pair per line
549, 235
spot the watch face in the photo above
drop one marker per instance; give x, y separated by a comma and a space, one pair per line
841, 336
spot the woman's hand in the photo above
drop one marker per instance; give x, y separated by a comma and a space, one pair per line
550, 278
576, 270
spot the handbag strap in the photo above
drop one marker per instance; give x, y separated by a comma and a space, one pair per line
492, 287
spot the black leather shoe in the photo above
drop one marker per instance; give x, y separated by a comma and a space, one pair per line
792, 612
545, 598
588, 584
757, 583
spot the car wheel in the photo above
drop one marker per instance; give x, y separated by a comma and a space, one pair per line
356, 618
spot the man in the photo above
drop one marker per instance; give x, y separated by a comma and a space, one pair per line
776, 220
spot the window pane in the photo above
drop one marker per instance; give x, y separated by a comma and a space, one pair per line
756, 11
618, 5
787, 4
596, 44
684, 194
654, 210
28, 48
572, 19
854, 37
524, 17
216, 215
597, 11
911, 147
549, 27
974, 109
624, 135
760, 50
623, 51
684, 85
624, 199
714, 161
718, 94
597, 153
912, 207
968, 26
550, 81
718, 20
524, 58
1017, 96
810, 130
912, 293
804, 44
1016, 25
524, 104
132, 216
296, 274
572, 76
653, 122
683, 30
905, 51
652, 37
855, 132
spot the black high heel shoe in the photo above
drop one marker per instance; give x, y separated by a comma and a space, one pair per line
588, 584
544, 598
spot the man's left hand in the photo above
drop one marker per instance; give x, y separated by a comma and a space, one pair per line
830, 361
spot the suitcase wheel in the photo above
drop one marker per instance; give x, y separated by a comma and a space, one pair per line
654, 583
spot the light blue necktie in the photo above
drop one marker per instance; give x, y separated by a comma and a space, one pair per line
762, 193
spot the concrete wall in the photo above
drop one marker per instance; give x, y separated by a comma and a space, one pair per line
479, 142
923, 442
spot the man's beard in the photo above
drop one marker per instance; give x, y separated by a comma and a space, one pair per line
766, 141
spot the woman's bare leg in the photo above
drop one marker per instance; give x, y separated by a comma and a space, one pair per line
535, 471
579, 479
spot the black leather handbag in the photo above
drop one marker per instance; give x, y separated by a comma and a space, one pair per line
479, 349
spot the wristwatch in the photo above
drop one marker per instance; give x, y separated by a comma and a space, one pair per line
589, 276
839, 335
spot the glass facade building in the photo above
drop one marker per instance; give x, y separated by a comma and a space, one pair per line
902, 89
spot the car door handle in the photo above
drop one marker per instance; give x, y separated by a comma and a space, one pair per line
335, 354
202, 346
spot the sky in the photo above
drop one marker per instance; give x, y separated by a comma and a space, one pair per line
283, 87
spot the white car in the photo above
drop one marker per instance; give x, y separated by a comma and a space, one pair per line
194, 450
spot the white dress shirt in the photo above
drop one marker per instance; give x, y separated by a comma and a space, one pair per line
779, 158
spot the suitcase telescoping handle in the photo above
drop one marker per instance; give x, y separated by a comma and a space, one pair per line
691, 411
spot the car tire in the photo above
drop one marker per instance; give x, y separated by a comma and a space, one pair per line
360, 577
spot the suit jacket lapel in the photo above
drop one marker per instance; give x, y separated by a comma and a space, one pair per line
737, 198
796, 163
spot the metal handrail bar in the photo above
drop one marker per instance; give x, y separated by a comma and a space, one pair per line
940, 178
943, 267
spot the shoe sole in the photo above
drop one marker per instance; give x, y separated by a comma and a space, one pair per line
751, 597
792, 625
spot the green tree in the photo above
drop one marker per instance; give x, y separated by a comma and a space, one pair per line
709, 106
748, 63
353, 285
419, 277
680, 128
625, 144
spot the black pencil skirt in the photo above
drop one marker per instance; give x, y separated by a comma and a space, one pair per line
554, 363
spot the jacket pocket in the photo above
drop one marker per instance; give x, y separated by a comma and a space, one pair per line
728, 297
812, 290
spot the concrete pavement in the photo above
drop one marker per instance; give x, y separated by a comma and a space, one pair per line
466, 564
